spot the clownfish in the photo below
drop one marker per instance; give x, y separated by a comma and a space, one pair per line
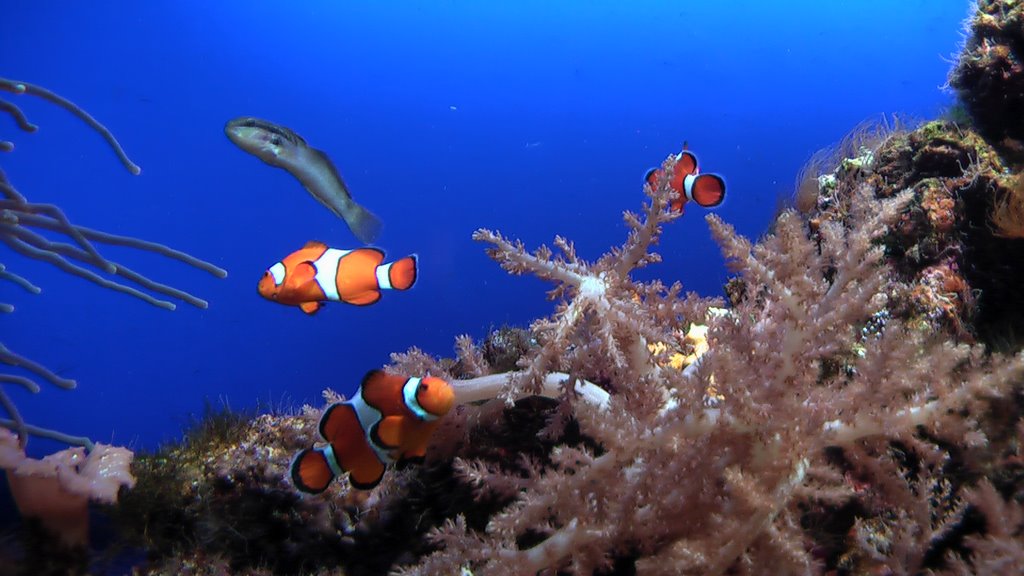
389, 420
316, 274
707, 190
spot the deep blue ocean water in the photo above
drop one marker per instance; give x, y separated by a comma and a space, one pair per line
535, 118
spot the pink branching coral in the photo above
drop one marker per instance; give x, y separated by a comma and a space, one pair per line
823, 399
605, 319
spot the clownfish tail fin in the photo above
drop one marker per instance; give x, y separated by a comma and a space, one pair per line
402, 273
310, 471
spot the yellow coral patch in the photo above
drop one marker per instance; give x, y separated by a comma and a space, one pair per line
695, 340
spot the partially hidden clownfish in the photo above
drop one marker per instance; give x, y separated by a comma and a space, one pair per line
707, 190
316, 274
388, 421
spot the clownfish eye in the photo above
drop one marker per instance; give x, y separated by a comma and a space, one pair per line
423, 387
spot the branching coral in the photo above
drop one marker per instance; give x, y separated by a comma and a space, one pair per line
808, 367
608, 319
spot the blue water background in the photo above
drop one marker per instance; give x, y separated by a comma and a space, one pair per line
534, 118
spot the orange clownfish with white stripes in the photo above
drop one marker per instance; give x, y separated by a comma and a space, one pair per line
388, 421
317, 273
707, 190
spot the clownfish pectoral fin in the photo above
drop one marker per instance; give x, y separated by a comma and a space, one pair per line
707, 190
400, 274
409, 437
417, 449
677, 205
311, 307
389, 433
302, 274
310, 471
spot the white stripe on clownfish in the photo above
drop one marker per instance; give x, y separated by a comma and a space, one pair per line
688, 185
327, 272
384, 276
369, 417
332, 459
278, 272
412, 403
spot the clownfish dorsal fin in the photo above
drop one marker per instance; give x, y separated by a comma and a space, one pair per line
373, 378
314, 244
332, 421
686, 163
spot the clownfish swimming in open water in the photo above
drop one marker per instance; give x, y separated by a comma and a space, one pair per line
707, 190
316, 274
389, 420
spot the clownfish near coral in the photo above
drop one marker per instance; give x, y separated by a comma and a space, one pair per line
317, 273
706, 190
388, 421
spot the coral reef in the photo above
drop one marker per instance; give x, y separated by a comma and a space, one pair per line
948, 244
1007, 214
989, 74
989, 81
222, 500
825, 403
842, 433
856, 409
